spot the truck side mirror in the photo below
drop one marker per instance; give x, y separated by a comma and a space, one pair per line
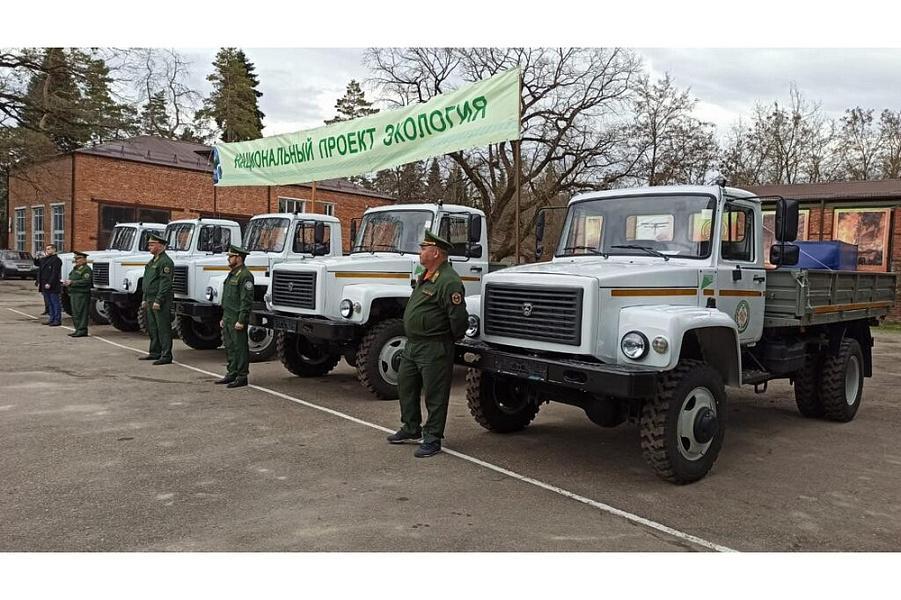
474, 251
475, 229
539, 234
786, 220
318, 232
784, 254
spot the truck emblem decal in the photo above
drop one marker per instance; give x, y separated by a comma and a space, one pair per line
742, 315
527, 309
290, 286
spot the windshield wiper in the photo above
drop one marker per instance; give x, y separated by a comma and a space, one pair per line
650, 251
372, 247
591, 249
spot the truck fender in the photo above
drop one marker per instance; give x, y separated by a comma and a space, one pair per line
216, 282
690, 332
134, 277
368, 295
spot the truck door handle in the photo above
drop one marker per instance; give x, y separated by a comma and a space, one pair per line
475, 269
759, 278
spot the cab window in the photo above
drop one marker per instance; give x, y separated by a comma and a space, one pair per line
737, 236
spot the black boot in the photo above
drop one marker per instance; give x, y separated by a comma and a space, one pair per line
238, 382
226, 379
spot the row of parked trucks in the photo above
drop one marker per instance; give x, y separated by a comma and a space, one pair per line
655, 301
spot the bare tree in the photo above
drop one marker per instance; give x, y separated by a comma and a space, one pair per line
574, 119
859, 144
890, 130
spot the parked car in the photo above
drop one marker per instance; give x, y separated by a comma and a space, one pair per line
14, 263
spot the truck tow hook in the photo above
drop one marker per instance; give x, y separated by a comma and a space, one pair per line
706, 425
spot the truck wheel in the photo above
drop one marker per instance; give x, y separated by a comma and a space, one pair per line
262, 343
303, 358
198, 335
807, 391
99, 312
3, 274
500, 404
841, 384
682, 428
123, 319
378, 358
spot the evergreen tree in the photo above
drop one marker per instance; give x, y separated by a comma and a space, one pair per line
53, 104
234, 102
154, 118
455, 191
352, 105
104, 119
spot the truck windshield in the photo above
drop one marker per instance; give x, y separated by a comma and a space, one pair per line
179, 236
664, 226
393, 231
122, 238
267, 234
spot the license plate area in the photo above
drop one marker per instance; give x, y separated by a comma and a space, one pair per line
283, 324
521, 367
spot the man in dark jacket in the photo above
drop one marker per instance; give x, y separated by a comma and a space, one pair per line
50, 284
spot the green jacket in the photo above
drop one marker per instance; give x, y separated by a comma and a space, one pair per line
237, 295
158, 279
436, 309
81, 280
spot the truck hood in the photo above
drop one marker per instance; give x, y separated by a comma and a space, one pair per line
608, 273
378, 262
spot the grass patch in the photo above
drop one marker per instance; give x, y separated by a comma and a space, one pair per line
892, 326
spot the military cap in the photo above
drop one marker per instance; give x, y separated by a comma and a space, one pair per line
431, 239
158, 238
81, 254
237, 250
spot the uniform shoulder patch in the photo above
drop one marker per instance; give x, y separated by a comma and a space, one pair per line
456, 298
248, 285
87, 275
167, 269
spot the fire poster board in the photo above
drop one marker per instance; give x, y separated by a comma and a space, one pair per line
769, 231
868, 229
486, 112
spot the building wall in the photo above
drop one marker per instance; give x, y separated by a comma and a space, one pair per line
186, 193
42, 185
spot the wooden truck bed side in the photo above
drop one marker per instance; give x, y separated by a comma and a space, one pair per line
796, 297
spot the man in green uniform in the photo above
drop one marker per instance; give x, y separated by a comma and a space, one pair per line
237, 300
435, 317
157, 302
79, 284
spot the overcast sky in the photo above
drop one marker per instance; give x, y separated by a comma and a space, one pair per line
300, 86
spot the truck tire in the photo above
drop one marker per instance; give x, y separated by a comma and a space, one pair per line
303, 358
378, 358
500, 404
99, 312
262, 343
807, 387
198, 335
123, 319
682, 427
841, 382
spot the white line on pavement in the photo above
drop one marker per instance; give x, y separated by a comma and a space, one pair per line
525, 479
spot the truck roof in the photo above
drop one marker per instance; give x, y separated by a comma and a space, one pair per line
426, 206
299, 217
206, 221
145, 225
665, 189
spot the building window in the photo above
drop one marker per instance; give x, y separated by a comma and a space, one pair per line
58, 222
328, 208
290, 205
37, 229
111, 214
20, 229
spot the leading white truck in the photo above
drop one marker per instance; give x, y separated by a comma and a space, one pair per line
352, 306
655, 301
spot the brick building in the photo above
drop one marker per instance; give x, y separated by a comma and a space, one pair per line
865, 213
74, 200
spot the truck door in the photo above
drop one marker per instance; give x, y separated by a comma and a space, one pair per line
455, 229
741, 278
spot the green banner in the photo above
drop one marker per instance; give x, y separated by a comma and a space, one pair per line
483, 113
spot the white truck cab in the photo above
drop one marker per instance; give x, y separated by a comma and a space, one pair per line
117, 280
271, 239
352, 306
655, 300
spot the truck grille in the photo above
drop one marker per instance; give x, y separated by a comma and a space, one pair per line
294, 289
534, 313
101, 274
180, 280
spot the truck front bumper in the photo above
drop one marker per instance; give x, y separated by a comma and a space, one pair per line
199, 311
314, 328
621, 381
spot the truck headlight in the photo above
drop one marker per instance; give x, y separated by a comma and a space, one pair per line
473, 329
346, 308
634, 345
125, 283
210, 293
660, 344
